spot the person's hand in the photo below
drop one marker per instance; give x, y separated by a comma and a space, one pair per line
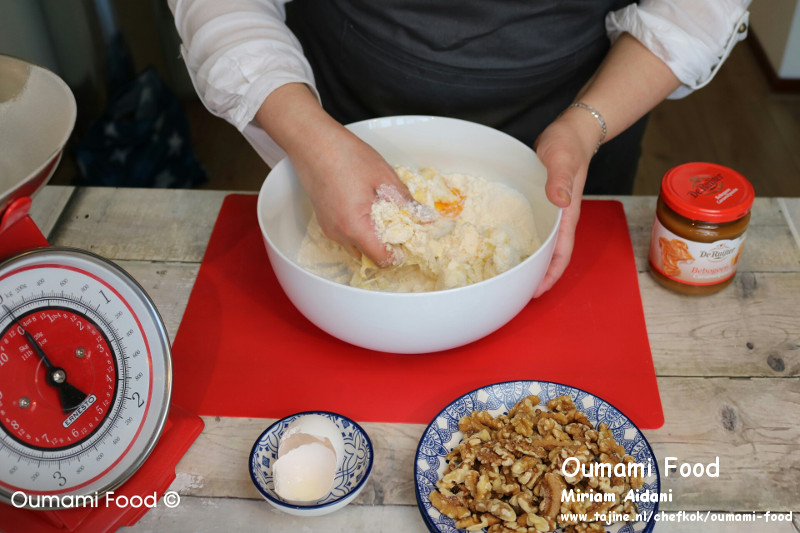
343, 179
341, 174
565, 148
629, 83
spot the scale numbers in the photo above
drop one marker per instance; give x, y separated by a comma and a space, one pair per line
85, 374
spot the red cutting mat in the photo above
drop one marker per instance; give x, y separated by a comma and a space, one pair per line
244, 350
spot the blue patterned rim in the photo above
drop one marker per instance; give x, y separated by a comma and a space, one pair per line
354, 471
442, 435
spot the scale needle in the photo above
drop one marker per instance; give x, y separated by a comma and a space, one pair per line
71, 397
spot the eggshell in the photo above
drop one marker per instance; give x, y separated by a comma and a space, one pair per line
314, 425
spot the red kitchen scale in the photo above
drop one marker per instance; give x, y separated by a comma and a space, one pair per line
89, 440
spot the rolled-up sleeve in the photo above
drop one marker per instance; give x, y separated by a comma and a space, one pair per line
237, 52
693, 37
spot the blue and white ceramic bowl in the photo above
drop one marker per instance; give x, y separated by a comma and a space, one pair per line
351, 477
442, 435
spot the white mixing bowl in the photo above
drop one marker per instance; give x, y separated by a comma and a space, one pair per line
413, 322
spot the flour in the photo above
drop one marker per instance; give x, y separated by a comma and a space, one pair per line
470, 230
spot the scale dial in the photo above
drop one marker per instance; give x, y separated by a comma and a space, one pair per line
85, 376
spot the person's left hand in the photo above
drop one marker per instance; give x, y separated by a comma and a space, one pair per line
565, 148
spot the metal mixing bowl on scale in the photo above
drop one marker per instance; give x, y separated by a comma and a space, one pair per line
37, 115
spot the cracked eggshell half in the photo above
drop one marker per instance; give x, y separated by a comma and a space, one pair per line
310, 451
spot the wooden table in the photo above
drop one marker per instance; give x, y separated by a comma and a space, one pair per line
728, 369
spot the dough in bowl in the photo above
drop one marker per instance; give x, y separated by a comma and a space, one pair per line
470, 230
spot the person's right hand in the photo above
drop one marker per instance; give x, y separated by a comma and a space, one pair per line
343, 179
341, 174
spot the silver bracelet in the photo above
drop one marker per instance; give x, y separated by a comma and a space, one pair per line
596, 114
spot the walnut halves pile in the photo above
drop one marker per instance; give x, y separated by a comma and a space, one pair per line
505, 474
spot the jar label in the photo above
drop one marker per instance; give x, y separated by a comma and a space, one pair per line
690, 262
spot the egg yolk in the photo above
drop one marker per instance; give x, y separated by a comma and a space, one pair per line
453, 208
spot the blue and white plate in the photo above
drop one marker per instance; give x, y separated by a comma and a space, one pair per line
442, 435
355, 468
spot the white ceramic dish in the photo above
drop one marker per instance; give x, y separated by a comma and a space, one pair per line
352, 475
442, 435
420, 322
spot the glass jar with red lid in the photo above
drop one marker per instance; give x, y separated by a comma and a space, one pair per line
701, 219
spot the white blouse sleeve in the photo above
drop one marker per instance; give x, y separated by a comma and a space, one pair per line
237, 52
693, 37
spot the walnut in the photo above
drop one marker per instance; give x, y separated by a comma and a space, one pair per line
450, 506
538, 523
523, 425
551, 495
525, 465
607, 443
552, 443
475, 523
525, 447
454, 477
492, 453
469, 522
600, 508
471, 482
526, 406
484, 435
637, 482
561, 404
629, 508
498, 508
502, 528
506, 455
581, 418
535, 476
545, 426
594, 527
522, 501
561, 419
476, 422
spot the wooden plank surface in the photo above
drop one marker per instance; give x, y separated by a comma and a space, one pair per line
140, 224
48, 205
752, 425
146, 224
752, 328
224, 516
790, 207
728, 367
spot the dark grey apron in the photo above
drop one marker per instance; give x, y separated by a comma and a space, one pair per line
510, 64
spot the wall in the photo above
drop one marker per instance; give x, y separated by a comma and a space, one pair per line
23, 33
776, 25
791, 60
71, 38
